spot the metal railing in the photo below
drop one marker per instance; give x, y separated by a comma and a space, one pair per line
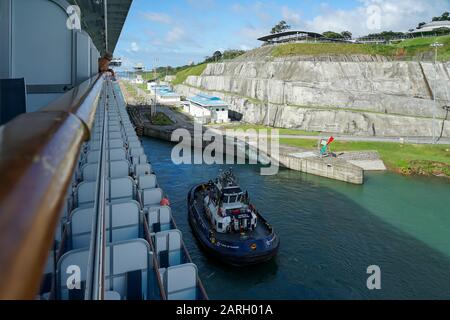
38, 155
96, 263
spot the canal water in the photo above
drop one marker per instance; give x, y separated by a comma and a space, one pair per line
330, 233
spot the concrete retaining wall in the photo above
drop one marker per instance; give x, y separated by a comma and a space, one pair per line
325, 120
381, 98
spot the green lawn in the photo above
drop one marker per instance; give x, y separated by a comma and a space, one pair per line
142, 86
150, 75
191, 71
406, 158
282, 131
315, 49
160, 119
415, 46
130, 89
404, 49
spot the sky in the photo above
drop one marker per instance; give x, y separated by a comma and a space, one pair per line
178, 32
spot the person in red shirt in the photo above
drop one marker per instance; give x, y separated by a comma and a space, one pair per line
165, 202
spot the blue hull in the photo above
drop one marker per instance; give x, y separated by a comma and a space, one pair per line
236, 253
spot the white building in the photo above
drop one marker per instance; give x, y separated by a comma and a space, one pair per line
432, 27
200, 114
203, 105
164, 94
138, 80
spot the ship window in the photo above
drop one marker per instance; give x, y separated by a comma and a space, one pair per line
220, 225
232, 199
232, 190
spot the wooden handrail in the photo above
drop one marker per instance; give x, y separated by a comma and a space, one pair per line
38, 155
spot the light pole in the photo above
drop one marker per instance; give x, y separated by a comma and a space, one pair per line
268, 103
436, 45
156, 84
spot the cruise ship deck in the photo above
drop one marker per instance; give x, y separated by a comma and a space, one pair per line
82, 216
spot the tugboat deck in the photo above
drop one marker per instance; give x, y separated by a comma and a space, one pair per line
258, 233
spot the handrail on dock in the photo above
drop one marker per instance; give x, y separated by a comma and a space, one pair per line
38, 155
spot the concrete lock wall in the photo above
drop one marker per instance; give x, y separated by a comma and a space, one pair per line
380, 98
327, 168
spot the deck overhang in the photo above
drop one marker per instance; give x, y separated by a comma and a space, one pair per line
93, 21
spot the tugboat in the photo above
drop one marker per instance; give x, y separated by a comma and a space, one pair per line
227, 225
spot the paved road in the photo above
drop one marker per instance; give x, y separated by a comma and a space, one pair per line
416, 140
181, 120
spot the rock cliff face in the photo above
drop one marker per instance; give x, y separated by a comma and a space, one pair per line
354, 95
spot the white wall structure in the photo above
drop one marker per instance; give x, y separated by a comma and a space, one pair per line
164, 94
217, 108
95, 55
219, 114
37, 45
83, 56
197, 111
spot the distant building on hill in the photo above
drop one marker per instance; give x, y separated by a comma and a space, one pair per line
432, 27
139, 67
297, 36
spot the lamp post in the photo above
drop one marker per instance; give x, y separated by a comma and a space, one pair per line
436, 45
156, 84
268, 103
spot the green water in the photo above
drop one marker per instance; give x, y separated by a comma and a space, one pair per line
418, 206
330, 233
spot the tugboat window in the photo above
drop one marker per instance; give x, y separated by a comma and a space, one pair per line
220, 225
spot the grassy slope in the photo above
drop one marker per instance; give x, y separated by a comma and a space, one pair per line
407, 158
414, 47
191, 71
404, 49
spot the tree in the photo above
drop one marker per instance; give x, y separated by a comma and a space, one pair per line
280, 27
386, 35
347, 34
444, 17
332, 35
217, 56
420, 25
231, 54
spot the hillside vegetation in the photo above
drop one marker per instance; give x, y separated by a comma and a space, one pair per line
182, 75
404, 49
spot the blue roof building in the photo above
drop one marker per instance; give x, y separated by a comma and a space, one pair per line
217, 107
164, 94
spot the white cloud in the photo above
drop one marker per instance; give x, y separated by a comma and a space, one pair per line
290, 16
377, 15
134, 47
238, 8
175, 34
157, 17
252, 33
258, 9
245, 47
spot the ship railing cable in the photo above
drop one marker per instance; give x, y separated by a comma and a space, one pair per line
96, 271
